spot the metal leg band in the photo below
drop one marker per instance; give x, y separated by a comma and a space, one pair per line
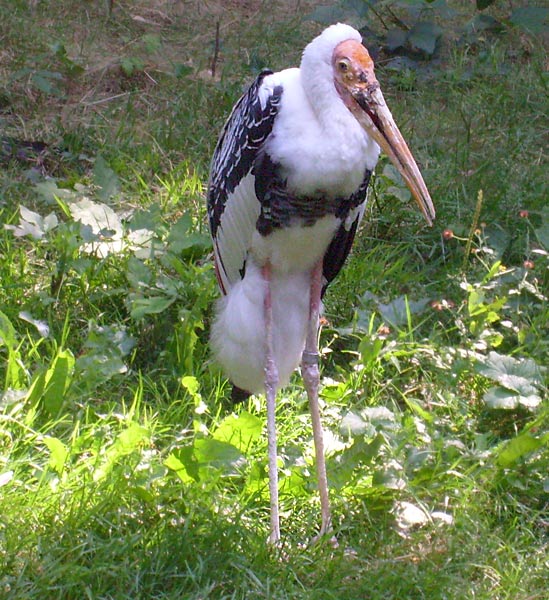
309, 358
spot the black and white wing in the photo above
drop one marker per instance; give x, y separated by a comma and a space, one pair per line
233, 208
340, 246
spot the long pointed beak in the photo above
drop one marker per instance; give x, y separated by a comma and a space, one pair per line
375, 117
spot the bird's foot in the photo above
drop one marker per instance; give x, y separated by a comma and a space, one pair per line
327, 537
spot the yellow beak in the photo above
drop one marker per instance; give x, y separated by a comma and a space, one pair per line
373, 114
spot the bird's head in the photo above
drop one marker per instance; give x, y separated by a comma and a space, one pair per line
356, 83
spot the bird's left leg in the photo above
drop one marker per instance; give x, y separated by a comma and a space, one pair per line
311, 378
271, 385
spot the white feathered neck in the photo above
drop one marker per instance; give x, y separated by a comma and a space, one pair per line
317, 69
320, 146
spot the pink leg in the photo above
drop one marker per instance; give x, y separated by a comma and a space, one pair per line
311, 377
271, 384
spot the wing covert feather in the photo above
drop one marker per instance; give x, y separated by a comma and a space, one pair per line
340, 246
233, 208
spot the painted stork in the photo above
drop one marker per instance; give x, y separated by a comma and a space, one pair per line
286, 193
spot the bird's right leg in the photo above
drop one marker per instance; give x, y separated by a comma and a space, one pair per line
311, 377
271, 385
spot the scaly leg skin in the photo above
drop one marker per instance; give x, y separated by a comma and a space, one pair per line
271, 384
311, 377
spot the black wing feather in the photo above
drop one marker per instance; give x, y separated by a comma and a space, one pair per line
340, 246
245, 132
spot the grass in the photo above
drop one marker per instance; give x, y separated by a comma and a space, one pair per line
124, 471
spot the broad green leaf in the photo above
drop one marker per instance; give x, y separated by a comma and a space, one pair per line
150, 306
57, 380
130, 64
239, 430
182, 237
492, 272
217, 454
371, 449
340, 11
100, 217
484, 23
498, 397
482, 4
329, 14
418, 409
58, 453
184, 463
393, 174
518, 374
72, 68
359, 7
49, 191
150, 219
515, 449
333, 390
401, 193
36, 389
370, 349
293, 483
47, 82
127, 441
475, 302
389, 478
407, 65
196, 462
182, 70
341, 468
191, 384
518, 384
152, 42
368, 422
534, 19
424, 36
33, 224
196, 241
93, 369
530, 401
396, 38
58, 48
131, 438
379, 415
353, 425
142, 493
105, 179
7, 332
138, 273
396, 312
104, 350
110, 339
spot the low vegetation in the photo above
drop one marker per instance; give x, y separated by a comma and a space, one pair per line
125, 472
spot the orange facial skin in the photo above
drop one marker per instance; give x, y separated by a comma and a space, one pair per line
353, 70
356, 83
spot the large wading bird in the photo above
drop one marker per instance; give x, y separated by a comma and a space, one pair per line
287, 191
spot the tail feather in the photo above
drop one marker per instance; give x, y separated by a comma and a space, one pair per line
238, 335
239, 395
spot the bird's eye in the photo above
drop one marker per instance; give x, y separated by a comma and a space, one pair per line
343, 66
